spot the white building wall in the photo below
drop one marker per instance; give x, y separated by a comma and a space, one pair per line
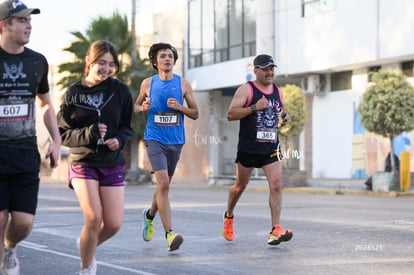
265, 26
353, 36
221, 75
340, 37
332, 135
332, 122
396, 33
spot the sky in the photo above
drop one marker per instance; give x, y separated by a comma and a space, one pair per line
51, 29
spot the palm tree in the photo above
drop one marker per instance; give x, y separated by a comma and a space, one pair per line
73, 70
114, 29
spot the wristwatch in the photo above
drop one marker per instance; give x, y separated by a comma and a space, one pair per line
253, 108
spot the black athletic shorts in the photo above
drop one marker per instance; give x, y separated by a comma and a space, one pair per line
19, 175
258, 161
18, 192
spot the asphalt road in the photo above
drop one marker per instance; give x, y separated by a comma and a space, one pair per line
333, 234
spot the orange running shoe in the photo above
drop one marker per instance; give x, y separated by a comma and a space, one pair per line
278, 235
228, 230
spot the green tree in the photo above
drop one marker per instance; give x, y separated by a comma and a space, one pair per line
387, 106
114, 29
132, 69
294, 103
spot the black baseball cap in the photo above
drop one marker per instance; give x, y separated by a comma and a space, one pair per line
263, 61
15, 8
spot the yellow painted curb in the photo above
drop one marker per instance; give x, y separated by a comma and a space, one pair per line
346, 192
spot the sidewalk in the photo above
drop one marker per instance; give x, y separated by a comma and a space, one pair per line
345, 187
314, 186
327, 186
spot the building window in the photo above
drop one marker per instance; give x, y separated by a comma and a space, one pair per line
371, 70
221, 26
220, 30
194, 33
407, 68
310, 7
341, 81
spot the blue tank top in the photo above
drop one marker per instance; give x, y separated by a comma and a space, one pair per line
163, 123
258, 132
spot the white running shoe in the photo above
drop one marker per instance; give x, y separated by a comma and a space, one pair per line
94, 266
90, 270
9, 262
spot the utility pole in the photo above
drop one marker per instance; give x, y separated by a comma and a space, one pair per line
134, 54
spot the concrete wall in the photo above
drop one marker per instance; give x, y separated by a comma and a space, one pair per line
354, 33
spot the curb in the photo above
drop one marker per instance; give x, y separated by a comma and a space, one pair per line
303, 190
347, 192
332, 191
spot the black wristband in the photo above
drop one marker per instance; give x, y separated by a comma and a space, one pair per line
253, 108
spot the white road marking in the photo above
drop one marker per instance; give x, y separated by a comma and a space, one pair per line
43, 248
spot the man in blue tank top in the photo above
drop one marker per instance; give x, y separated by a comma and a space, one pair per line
258, 105
162, 97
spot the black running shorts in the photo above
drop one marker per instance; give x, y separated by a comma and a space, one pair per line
258, 161
18, 192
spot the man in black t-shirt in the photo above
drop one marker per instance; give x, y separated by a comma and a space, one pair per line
23, 78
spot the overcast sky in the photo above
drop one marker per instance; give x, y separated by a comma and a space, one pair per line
52, 27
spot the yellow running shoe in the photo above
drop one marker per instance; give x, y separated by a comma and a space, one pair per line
148, 228
174, 240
